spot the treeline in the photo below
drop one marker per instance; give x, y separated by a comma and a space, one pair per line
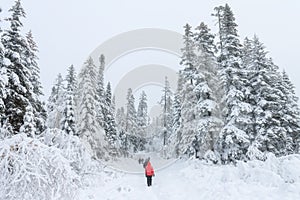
232, 101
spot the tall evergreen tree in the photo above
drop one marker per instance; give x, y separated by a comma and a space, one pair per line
123, 136
69, 118
233, 141
142, 113
290, 115
55, 108
109, 119
39, 111
292, 110
268, 98
101, 92
89, 129
19, 87
131, 128
187, 131
131, 115
166, 104
207, 91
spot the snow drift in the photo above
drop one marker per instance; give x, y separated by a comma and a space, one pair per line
31, 170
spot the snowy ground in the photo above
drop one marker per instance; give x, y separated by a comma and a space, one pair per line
192, 179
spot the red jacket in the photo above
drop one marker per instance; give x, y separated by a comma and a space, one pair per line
149, 171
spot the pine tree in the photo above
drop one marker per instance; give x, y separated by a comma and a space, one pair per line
109, 119
291, 116
199, 110
131, 127
89, 129
233, 140
142, 114
207, 91
39, 111
69, 119
19, 87
101, 92
55, 104
187, 131
131, 115
166, 104
267, 98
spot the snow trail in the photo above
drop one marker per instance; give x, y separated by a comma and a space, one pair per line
193, 180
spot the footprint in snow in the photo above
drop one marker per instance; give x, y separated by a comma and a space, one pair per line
124, 189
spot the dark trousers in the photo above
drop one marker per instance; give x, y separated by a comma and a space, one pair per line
149, 180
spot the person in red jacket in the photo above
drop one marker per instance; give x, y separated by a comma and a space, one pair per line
149, 172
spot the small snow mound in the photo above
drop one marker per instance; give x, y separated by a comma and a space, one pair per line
6, 62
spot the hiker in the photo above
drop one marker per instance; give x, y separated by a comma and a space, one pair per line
149, 172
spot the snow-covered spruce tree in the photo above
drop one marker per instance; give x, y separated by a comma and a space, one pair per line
280, 140
188, 128
19, 87
292, 114
110, 126
207, 91
89, 129
101, 92
68, 121
31, 58
55, 105
142, 114
166, 104
248, 61
131, 115
233, 140
268, 99
135, 140
123, 136
187, 131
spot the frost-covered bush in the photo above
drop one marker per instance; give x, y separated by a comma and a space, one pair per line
31, 170
72, 149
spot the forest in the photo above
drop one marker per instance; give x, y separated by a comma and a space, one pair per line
232, 104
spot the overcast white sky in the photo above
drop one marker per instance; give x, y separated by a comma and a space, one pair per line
67, 31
